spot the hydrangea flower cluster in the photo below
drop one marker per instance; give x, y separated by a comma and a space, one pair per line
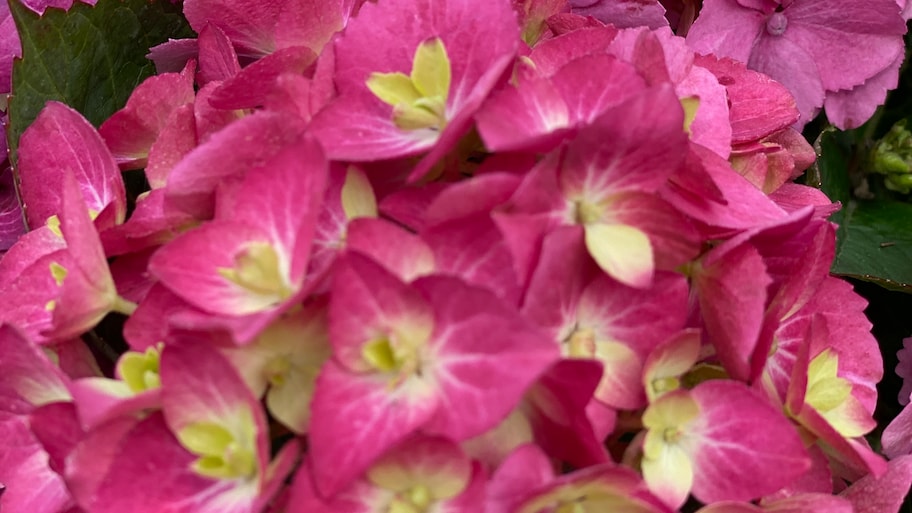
436, 255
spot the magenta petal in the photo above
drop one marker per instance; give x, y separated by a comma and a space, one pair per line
794, 68
558, 412
246, 143
475, 334
217, 58
283, 198
251, 86
56, 426
897, 437
623, 13
726, 29
30, 484
732, 291
196, 257
474, 249
62, 142
29, 378
200, 385
851, 108
12, 224
882, 494
249, 24
355, 419
131, 131
759, 105
730, 466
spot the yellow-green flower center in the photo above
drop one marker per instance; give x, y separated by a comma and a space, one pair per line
140, 371
419, 99
257, 270
222, 455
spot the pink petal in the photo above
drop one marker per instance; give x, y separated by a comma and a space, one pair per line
730, 466
247, 143
217, 58
472, 325
356, 418
131, 131
61, 142
884, 494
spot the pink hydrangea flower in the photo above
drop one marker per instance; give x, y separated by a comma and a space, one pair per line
822, 50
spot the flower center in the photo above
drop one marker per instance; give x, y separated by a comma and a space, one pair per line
776, 24
257, 270
221, 454
140, 370
419, 99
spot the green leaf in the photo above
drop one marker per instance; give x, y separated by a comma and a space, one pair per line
874, 243
874, 239
90, 58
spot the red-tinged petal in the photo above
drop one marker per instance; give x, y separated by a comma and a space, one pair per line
759, 105
727, 29
145, 328
400, 252
882, 494
871, 30
61, 142
369, 303
357, 417
474, 250
793, 67
200, 385
57, 427
152, 473
90, 460
151, 224
731, 285
192, 266
710, 126
730, 466
75, 359
551, 54
462, 199
29, 248
359, 497
29, 483
742, 204
311, 23
897, 437
471, 326
531, 116
28, 302
176, 139
556, 408
29, 378
172, 55
638, 143
217, 59
132, 130
851, 108
251, 86
360, 126
526, 469
247, 143
562, 273
289, 190
12, 223
250, 25
523, 234
853, 453
101, 400
623, 13
810, 503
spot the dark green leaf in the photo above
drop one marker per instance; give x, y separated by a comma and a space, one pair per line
874, 243
90, 58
